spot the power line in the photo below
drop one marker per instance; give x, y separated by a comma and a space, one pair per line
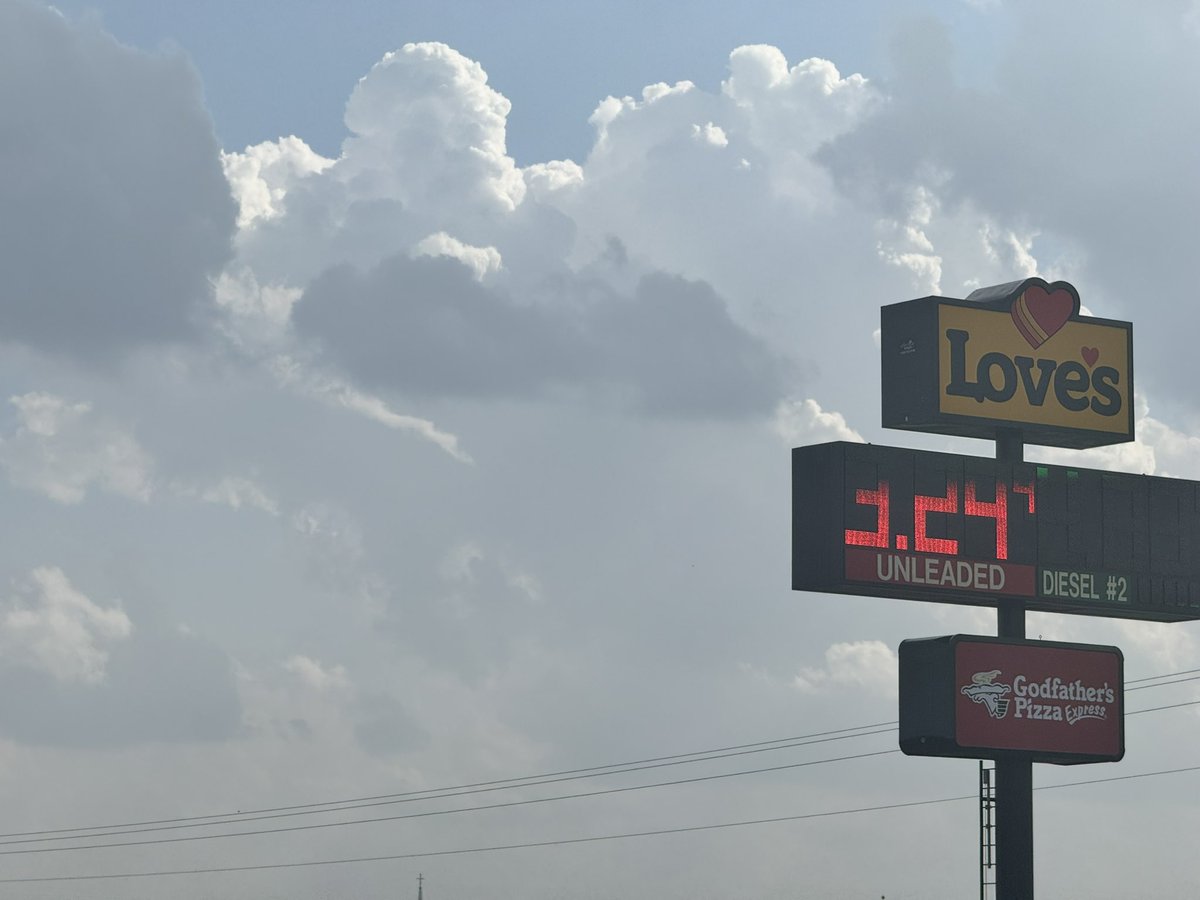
413, 796
1138, 712
442, 812
148, 826
1130, 681
457, 810
1142, 687
569, 841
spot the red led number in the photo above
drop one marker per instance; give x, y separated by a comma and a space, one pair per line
923, 505
880, 500
995, 509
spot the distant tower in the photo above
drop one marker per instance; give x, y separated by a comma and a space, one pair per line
420, 886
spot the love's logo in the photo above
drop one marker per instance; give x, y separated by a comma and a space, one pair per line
1021, 352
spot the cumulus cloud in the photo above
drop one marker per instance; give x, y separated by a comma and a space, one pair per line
870, 666
426, 325
115, 207
262, 175
62, 449
1158, 449
804, 422
52, 627
428, 130
1030, 159
480, 260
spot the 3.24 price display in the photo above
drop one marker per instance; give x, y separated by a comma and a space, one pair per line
959, 529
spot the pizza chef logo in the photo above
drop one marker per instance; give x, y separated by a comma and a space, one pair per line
983, 689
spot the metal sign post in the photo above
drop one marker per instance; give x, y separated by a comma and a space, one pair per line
1014, 773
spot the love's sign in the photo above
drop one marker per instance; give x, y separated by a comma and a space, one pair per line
1017, 356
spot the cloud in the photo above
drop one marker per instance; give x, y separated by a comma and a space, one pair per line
261, 176
337, 391
426, 325
319, 677
159, 685
115, 208
480, 260
870, 666
62, 449
52, 627
804, 422
428, 131
385, 727
236, 493
1115, 203
1158, 449
78, 673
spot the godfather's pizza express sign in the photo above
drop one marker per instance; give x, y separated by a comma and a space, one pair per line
972, 696
1018, 356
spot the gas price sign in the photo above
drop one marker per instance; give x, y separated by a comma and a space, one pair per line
941, 527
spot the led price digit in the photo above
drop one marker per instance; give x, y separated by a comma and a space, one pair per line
922, 506
995, 509
879, 498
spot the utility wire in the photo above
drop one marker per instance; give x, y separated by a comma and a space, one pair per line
411, 797
1130, 681
442, 812
1142, 687
112, 830
568, 841
1138, 712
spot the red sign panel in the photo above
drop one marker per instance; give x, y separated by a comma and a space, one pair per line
1038, 698
982, 697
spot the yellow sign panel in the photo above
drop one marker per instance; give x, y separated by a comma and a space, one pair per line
1035, 363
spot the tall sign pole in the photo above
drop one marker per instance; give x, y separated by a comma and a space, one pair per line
1014, 773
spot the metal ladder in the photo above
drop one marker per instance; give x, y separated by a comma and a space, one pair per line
987, 830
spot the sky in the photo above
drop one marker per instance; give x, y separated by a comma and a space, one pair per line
399, 398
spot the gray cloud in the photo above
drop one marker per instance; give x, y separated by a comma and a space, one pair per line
115, 211
385, 728
158, 687
1083, 134
425, 325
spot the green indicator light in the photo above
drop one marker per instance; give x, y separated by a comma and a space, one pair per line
1072, 475
1043, 472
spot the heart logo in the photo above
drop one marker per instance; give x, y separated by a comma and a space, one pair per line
1090, 355
1039, 313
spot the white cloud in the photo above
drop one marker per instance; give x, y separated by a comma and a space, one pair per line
336, 391
261, 177
871, 666
236, 493
429, 131
254, 317
318, 677
480, 260
713, 135
465, 562
52, 627
804, 422
556, 175
62, 449
374, 408
1159, 449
